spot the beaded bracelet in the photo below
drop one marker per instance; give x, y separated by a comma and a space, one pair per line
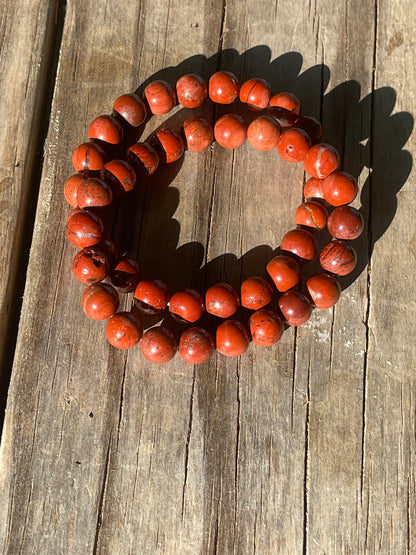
100, 177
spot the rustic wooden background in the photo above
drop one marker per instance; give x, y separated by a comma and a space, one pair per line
306, 447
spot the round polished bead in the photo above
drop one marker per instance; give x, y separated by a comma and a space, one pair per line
71, 188
311, 214
100, 301
124, 330
313, 188
196, 345
171, 144
223, 87
345, 222
120, 175
84, 229
187, 305
321, 160
338, 258
300, 242
232, 338
256, 293
94, 193
324, 290
151, 296
230, 131
293, 145
263, 133
160, 96
158, 345
191, 90
255, 93
125, 275
131, 108
286, 118
106, 129
90, 265
286, 100
285, 272
312, 126
339, 188
222, 300
266, 327
143, 157
109, 249
198, 133
295, 308
88, 157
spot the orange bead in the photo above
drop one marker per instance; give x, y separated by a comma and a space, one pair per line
311, 214
131, 108
84, 229
339, 188
191, 90
196, 345
94, 193
170, 144
286, 100
284, 271
311, 126
256, 293
100, 301
88, 157
263, 133
324, 290
71, 188
158, 345
187, 305
295, 308
160, 96
313, 188
230, 131
124, 330
293, 145
300, 242
125, 276
255, 93
90, 265
266, 327
338, 258
120, 175
222, 300
321, 160
106, 129
151, 296
232, 338
223, 87
143, 157
198, 133
345, 222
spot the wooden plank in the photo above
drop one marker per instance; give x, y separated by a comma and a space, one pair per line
287, 450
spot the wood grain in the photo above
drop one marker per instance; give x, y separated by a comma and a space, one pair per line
306, 447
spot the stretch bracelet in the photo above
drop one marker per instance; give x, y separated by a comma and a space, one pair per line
102, 176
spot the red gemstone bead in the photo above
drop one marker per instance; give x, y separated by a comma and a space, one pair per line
94, 193
198, 133
131, 108
144, 157
293, 145
88, 157
124, 330
300, 242
339, 188
284, 271
230, 131
232, 338
256, 293
321, 160
222, 300
188, 305
324, 290
286, 100
84, 229
338, 258
196, 345
191, 90
171, 144
160, 97
263, 133
313, 188
311, 214
106, 129
90, 265
345, 222
71, 188
109, 249
100, 301
223, 87
120, 175
286, 118
158, 345
151, 296
312, 127
266, 327
255, 93
295, 307
125, 276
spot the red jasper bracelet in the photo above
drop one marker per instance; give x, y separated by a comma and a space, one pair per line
102, 177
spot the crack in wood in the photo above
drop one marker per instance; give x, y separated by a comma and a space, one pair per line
188, 440
102, 496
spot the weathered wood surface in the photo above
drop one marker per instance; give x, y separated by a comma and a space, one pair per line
307, 447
